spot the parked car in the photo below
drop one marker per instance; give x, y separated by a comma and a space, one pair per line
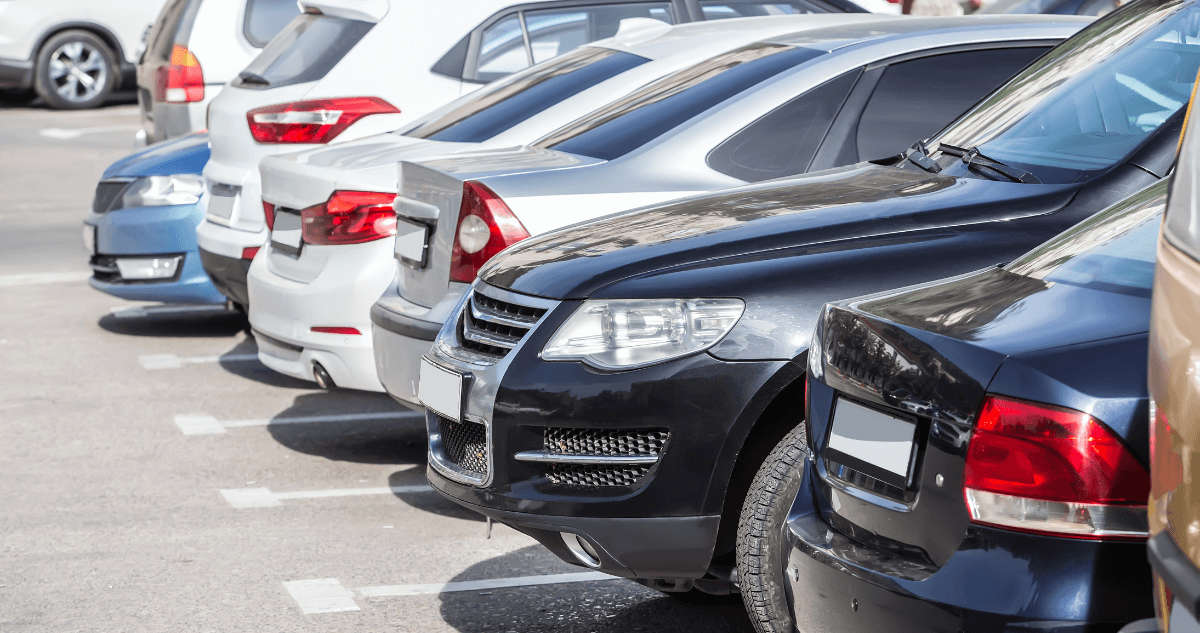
141, 231
323, 66
959, 427
1172, 412
192, 50
310, 301
72, 53
780, 107
1057, 7
613, 388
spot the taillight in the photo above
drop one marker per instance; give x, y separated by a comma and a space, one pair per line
269, 215
1165, 461
350, 217
486, 226
1046, 469
181, 80
249, 252
316, 121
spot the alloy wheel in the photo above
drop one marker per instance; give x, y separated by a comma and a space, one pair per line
78, 71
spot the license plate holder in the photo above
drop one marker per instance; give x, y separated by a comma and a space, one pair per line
879, 445
440, 390
287, 234
221, 201
412, 243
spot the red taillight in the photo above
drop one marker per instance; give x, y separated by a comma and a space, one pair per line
316, 121
249, 252
336, 330
486, 226
181, 80
1048, 469
350, 217
1165, 461
269, 215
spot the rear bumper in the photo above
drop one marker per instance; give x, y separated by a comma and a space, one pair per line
16, 74
403, 332
997, 581
163, 121
228, 275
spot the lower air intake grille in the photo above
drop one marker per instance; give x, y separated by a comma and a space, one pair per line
594, 442
580, 475
465, 444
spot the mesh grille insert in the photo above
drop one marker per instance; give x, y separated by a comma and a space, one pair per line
465, 444
596, 442
579, 475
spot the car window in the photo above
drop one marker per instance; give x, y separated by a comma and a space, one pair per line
556, 31
1021, 6
734, 9
307, 49
173, 26
511, 101
783, 142
1089, 102
653, 110
915, 99
1112, 251
502, 49
266, 18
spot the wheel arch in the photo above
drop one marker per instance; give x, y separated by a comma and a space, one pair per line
99, 31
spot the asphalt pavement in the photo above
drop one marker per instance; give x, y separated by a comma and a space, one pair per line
155, 477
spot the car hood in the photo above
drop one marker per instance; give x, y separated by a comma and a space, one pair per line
186, 155
826, 209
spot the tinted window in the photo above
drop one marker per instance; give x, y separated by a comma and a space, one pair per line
500, 108
502, 49
174, 26
266, 18
643, 116
555, 31
1089, 102
783, 142
915, 99
304, 51
722, 10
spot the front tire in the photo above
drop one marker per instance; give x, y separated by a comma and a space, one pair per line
762, 550
75, 70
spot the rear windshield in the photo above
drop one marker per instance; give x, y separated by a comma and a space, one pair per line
499, 107
266, 18
173, 26
633, 121
1112, 251
304, 51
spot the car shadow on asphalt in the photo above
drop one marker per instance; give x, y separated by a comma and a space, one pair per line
176, 324
394, 440
610, 606
429, 501
119, 98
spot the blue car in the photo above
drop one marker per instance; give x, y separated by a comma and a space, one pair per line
142, 227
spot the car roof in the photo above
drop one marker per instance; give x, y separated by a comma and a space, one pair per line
835, 36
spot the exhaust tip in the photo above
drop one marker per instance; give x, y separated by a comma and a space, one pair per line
581, 549
324, 380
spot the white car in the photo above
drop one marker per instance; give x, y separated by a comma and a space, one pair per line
72, 53
312, 287
192, 50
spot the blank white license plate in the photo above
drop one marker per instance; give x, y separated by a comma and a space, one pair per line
89, 238
879, 445
287, 232
440, 390
410, 242
221, 201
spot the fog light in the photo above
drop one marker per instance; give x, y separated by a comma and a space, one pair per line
582, 549
148, 267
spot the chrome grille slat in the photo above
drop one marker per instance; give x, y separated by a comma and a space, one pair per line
483, 312
598, 457
494, 339
491, 327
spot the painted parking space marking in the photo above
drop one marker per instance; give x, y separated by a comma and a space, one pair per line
328, 595
138, 312
66, 134
171, 361
208, 425
32, 279
264, 498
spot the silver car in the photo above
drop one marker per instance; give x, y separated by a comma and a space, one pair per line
819, 98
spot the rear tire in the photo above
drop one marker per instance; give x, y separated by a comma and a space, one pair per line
75, 70
762, 549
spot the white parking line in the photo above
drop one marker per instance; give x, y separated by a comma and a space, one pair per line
264, 498
171, 361
145, 311
42, 278
208, 425
327, 595
65, 134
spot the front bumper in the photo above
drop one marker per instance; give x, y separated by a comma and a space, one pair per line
998, 580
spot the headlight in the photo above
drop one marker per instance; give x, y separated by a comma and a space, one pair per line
629, 333
816, 369
161, 191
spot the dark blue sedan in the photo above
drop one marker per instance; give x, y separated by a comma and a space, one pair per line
978, 447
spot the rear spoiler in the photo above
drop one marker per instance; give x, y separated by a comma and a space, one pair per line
364, 10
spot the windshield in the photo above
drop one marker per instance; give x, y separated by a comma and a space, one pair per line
1092, 100
643, 116
501, 106
1112, 251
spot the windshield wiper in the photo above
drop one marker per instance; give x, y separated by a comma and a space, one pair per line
976, 162
248, 77
918, 155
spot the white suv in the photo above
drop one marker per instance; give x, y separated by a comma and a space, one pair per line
72, 53
194, 48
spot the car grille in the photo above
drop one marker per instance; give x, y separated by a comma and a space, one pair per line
561, 446
559, 441
465, 445
108, 195
582, 475
491, 327
104, 269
